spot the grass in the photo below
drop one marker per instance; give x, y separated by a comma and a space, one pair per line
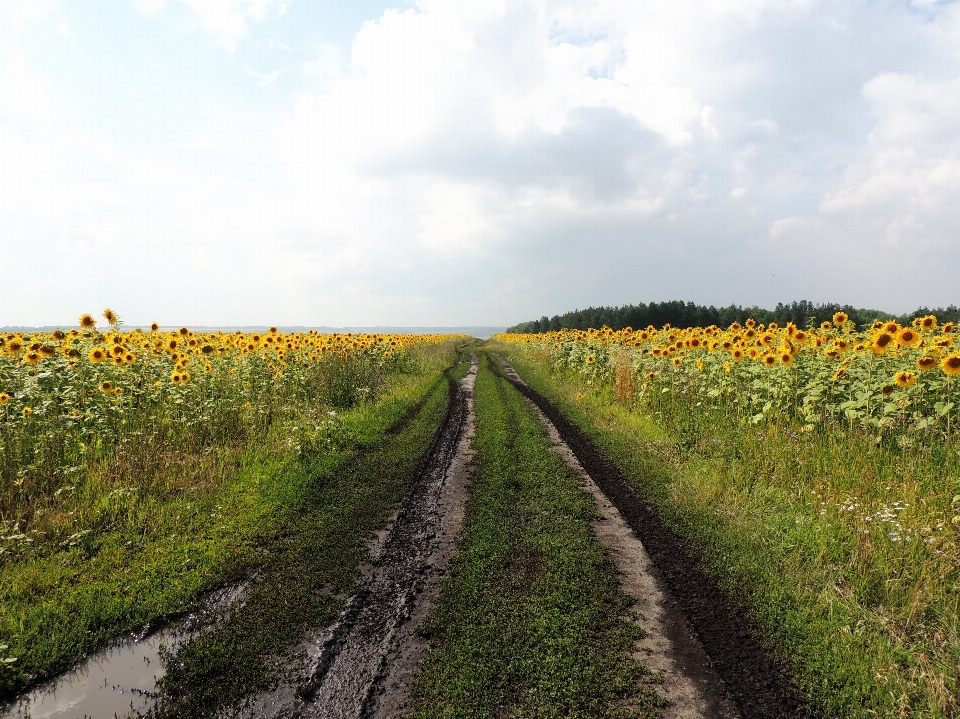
530, 621
151, 551
843, 551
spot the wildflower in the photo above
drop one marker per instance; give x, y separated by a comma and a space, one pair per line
31, 357
591, 359
27, 411
87, 322
97, 354
769, 360
929, 322
106, 386
4, 398
840, 319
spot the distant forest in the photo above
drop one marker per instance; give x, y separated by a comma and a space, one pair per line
688, 314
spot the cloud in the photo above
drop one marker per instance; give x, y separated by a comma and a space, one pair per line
483, 162
229, 20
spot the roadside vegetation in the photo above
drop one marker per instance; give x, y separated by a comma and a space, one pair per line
530, 621
816, 471
141, 469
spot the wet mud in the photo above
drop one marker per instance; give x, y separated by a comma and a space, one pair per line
711, 660
362, 665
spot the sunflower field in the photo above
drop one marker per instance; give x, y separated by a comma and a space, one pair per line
894, 381
81, 401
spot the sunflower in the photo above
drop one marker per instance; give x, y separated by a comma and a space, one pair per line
826, 326
905, 378
908, 337
881, 343
97, 354
891, 328
591, 359
700, 364
172, 345
887, 390
839, 374
176, 377
876, 325
840, 319
947, 329
117, 350
786, 357
677, 361
951, 364
27, 411
727, 367
129, 358
184, 331
87, 321
4, 398
31, 357
769, 360
273, 330
154, 326
106, 386
737, 354
925, 363
111, 317
750, 322
929, 322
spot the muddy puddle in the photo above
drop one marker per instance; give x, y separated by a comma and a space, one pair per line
121, 680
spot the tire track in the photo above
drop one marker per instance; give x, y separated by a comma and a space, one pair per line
701, 642
362, 665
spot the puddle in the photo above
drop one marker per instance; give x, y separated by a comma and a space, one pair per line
120, 681
117, 682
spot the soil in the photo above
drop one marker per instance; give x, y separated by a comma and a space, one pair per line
710, 656
363, 664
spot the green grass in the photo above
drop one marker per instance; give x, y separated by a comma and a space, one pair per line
845, 553
530, 621
206, 523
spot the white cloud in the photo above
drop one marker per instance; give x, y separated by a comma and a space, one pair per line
565, 153
229, 20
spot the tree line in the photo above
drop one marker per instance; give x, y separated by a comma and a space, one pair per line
677, 313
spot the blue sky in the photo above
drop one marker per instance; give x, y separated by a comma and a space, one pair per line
440, 162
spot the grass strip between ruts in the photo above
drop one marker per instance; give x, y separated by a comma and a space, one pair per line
309, 569
530, 621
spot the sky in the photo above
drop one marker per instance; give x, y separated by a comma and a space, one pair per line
437, 162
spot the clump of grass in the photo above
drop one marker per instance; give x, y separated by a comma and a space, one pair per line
844, 549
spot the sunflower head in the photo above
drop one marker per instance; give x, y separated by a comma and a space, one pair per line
737, 354
32, 357
840, 319
154, 326
908, 337
4, 398
929, 322
106, 386
129, 358
887, 390
786, 357
273, 330
184, 331
750, 322
948, 328
839, 374
97, 354
677, 361
951, 364
881, 343
591, 359
825, 326
87, 321
905, 378
769, 360
27, 411
925, 363
111, 317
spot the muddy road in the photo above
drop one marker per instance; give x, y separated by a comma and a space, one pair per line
362, 665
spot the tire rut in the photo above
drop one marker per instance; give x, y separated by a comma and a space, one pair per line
361, 666
701, 643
